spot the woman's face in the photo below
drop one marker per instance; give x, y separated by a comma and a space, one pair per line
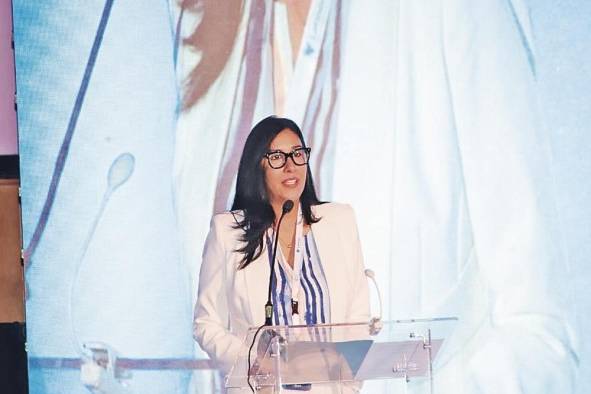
287, 182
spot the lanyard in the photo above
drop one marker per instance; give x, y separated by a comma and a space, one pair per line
294, 273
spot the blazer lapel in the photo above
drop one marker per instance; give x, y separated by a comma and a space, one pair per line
330, 257
256, 278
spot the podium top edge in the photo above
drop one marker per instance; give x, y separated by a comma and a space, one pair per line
354, 324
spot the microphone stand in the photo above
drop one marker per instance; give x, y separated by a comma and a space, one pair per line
287, 206
375, 324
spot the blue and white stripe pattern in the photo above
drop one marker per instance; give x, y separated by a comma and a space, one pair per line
314, 299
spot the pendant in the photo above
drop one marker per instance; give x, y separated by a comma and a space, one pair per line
294, 307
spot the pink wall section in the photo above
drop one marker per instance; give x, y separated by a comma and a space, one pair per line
8, 141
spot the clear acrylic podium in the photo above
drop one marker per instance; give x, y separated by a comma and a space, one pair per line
341, 355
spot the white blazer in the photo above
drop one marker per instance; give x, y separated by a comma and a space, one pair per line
230, 301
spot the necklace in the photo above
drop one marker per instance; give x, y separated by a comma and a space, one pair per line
288, 245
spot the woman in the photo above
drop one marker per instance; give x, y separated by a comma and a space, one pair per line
319, 272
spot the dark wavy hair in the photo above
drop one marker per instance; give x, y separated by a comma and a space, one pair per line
251, 192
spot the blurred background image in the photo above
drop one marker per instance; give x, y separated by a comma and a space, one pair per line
458, 131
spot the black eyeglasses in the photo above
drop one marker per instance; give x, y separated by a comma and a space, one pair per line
278, 159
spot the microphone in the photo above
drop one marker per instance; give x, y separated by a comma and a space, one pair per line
287, 206
375, 324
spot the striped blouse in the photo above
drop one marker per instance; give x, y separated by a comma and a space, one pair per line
302, 289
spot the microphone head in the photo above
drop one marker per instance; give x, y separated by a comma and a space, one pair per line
120, 171
287, 206
369, 273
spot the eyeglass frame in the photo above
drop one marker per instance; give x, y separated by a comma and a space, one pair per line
288, 156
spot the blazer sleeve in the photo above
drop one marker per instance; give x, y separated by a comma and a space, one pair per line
505, 159
211, 314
